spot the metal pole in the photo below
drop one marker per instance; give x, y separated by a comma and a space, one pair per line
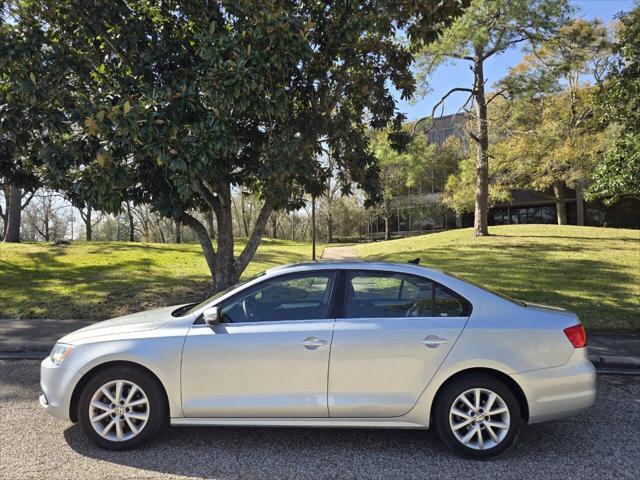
313, 228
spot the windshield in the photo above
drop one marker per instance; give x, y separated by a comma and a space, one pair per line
198, 306
490, 290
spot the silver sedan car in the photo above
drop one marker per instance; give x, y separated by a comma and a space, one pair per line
348, 344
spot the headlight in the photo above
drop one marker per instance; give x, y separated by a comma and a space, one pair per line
60, 352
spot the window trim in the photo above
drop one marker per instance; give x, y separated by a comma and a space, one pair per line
435, 284
333, 277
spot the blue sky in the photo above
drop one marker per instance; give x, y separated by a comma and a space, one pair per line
458, 74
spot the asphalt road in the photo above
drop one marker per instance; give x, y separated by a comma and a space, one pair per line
603, 443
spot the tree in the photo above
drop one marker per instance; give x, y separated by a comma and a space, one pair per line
618, 174
547, 131
44, 218
488, 28
23, 114
178, 103
86, 214
460, 187
400, 168
16, 200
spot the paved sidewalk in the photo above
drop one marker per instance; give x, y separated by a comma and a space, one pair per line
614, 351
34, 338
340, 253
38, 335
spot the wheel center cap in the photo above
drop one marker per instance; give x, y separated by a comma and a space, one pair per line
120, 411
479, 418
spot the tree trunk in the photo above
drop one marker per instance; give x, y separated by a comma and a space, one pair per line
480, 224
131, 224
14, 215
47, 234
205, 242
580, 202
6, 190
88, 225
224, 274
329, 227
225, 269
561, 211
210, 224
387, 227
178, 232
245, 220
293, 226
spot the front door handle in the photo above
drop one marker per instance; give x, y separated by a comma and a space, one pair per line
313, 342
433, 341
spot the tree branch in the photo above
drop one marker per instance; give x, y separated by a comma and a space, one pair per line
462, 57
27, 201
209, 198
205, 242
441, 102
254, 241
497, 94
497, 46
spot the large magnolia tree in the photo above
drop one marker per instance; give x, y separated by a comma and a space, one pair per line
176, 104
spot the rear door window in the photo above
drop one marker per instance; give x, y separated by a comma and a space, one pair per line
372, 294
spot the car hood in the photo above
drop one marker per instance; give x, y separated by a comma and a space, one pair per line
135, 322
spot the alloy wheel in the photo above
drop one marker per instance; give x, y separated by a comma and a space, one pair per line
119, 410
479, 419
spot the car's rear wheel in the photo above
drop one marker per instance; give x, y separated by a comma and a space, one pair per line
121, 408
478, 416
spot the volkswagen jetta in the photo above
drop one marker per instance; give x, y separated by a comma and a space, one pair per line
328, 345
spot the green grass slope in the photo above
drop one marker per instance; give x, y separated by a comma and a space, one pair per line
98, 280
594, 272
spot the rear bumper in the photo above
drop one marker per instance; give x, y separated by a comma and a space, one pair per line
559, 392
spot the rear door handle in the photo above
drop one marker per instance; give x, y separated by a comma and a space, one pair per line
313, 342
433, 341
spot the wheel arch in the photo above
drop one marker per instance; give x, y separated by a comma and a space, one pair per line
498, 375
77, 391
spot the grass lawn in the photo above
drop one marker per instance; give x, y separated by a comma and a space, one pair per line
594, 272
98, 280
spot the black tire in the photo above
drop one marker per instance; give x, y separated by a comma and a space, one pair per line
448, 396
157, 405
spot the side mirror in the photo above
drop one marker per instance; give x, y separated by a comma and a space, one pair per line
211, 316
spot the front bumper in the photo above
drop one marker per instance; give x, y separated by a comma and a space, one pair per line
57, 384
562, 391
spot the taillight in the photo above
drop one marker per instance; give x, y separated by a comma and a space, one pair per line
576, 335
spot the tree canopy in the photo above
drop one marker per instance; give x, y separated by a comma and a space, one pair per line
618, 174
176, 104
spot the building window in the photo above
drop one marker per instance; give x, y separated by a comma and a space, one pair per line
519, 215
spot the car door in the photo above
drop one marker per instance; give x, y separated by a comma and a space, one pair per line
269, 355
395, 332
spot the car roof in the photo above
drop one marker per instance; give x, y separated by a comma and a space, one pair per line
354, 264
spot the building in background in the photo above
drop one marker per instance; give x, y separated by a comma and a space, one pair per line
420, 209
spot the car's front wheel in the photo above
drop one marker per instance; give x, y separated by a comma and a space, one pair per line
478, 416
121, 408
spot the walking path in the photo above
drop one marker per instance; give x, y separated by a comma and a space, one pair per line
340, 253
